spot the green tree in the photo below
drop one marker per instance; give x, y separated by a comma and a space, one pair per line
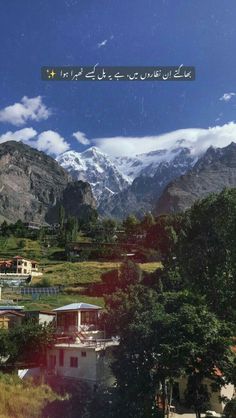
71, 229
5, 345
206, 252
148, 221
104, 231
21, 244
27, 343
131, 226
163, 235
19, 229
5, 232
163, 337
230, 409
62, 216
117, 280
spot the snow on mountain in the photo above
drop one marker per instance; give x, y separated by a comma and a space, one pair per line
96, 168
109, 176
147, 164
124, 185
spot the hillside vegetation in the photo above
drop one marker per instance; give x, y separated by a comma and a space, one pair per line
74, 276
29, 399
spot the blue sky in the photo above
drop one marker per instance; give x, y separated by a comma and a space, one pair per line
150, 33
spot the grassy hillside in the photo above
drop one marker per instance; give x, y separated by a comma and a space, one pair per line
85, 272
29, 400
11, 246
74, 276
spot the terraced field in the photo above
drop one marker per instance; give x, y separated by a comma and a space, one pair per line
75, 277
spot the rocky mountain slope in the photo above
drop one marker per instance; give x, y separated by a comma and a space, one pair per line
212, 173
33, 185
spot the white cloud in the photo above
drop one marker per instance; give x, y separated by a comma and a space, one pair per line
103, 43
227, 96
23, 135
48, 141
29, 109
81, 138
52, 143
195, 138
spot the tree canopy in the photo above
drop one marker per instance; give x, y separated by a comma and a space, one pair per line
179, 320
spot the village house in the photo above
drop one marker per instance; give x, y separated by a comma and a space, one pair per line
10, 318
36, 225
19, 266
81, 351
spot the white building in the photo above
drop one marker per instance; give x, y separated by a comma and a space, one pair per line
21, 265
81, 352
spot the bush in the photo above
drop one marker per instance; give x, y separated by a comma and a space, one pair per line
45, 282
230, 409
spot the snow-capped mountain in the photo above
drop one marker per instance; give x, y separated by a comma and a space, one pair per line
119, 181
141, 195
96, 168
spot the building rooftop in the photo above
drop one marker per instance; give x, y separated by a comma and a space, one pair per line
38, 311
11, 308
78, 307
18, 257
6, 312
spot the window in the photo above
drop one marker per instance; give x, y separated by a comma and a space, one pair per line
83, 354
61, 358
74, 362
67, 319
89, 317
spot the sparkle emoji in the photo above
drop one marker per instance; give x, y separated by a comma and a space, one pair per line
51, 74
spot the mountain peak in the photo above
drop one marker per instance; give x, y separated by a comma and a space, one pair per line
97, 168
92, 152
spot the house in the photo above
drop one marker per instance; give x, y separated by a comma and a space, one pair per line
19, 266
10, 318
36, 225
81, 351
